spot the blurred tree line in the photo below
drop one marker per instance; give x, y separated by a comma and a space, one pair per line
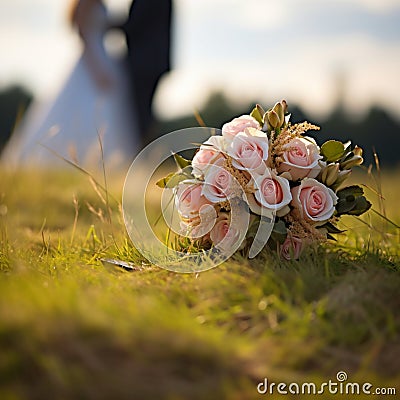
376, 130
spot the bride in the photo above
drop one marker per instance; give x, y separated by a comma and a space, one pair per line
93, 107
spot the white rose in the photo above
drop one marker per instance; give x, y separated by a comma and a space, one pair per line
249, 150
239, 124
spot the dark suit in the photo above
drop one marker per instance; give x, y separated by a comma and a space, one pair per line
148, 33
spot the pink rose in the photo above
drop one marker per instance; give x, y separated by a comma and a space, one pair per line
218, 183
203, 159
249, 150
301, 158
239, 124
224, 235
271, 192
314, 200
291, 248
189, 200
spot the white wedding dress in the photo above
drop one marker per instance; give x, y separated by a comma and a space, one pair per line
70, 127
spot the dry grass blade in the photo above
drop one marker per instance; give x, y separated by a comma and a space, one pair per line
199, 119
373, 190
96, 189
379, 183
103, 166
386, 218
76, 208
98, 213
81, 169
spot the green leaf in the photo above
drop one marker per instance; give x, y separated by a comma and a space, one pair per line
181, 162
352, 201
279, 232
329, 236
162, 183
176, 179
343, 207
353, 190
280, 228
331, 228
173, 179
361, 206
256, 114
332, 150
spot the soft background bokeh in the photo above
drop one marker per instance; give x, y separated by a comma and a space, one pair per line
257, 48
317, 55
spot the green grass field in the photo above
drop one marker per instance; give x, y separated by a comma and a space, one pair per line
72, 328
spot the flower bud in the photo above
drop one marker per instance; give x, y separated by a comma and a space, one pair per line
358, 151
285, 106
343, 175
278, 108
351, 162
325, 172
273, 119
330, 174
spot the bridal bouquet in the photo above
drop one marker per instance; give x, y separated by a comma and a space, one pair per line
278, 174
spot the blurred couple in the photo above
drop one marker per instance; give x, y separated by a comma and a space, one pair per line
103, 96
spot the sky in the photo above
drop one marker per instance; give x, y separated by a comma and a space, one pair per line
254, 50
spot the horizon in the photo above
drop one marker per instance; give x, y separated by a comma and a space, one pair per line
218, 46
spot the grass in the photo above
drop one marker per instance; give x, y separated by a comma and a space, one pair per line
72, 328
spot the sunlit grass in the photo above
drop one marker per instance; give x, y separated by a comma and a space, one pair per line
71, 327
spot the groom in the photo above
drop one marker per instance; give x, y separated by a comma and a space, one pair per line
148, 36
